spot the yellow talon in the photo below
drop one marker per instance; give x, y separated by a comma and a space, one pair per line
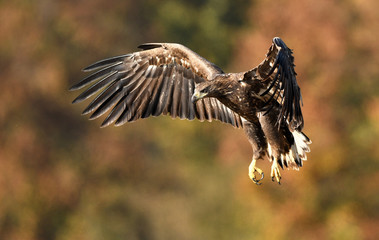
275, 173
252, 170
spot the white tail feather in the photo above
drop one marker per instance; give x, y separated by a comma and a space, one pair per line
301, 142
297, 153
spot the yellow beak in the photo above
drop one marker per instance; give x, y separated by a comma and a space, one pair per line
197, 96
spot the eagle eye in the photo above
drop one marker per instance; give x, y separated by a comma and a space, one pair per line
204, 90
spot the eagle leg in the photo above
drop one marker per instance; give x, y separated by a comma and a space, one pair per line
252, 169
275, 173
257, 139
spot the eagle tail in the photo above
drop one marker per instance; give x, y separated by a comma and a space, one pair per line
301, 142
297, 154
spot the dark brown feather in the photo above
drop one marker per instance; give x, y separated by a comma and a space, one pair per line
278, 73
159, 80
163, 78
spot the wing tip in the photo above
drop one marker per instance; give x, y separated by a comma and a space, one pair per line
76, 100
88, 68
74, 88
107, 61
105, 123
148, 46
279, 42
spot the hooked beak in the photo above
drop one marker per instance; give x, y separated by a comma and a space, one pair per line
197, 96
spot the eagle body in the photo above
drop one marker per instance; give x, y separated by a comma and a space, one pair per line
170, 79
241, 97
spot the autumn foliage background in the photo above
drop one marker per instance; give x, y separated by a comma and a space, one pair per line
62, 177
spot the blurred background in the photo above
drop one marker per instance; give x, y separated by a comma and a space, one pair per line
62, 177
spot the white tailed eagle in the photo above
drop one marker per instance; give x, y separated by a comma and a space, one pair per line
171, 79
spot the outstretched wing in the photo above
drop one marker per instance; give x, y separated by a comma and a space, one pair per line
278, 76
158, 80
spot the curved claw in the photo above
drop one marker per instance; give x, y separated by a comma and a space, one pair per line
273, 179
275, 173
257, 181
252, 170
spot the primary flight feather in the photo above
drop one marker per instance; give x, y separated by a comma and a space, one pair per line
171, 79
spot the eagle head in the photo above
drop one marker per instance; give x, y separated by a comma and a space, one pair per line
204, 89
